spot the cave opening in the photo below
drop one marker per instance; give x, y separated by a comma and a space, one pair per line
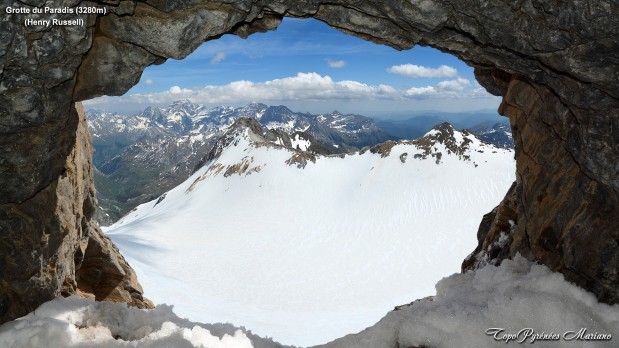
358, 245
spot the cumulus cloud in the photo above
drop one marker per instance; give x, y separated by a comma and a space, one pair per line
219, 56
420, 91
301, 87
454, 85
336, 63
418, 71
176, 90
149, 82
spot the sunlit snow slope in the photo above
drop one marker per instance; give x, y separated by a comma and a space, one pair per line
309, 254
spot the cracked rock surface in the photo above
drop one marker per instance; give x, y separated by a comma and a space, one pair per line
556, 64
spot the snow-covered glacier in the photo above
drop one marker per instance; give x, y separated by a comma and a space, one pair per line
307, 251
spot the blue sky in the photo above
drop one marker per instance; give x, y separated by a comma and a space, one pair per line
309, 66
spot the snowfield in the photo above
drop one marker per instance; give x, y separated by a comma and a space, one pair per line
516, 304
306, 255
514, 296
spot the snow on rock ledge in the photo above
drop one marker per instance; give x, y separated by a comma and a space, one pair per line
79, 322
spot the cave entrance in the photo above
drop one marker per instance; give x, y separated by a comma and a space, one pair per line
559, 86
308, 253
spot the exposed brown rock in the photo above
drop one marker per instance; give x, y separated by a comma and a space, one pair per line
300, 159
495, 234
383, 149
565, 216
100, 269
555, 63
242, 168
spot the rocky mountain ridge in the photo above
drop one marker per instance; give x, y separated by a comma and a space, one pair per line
184, 118
442, 139
138, 157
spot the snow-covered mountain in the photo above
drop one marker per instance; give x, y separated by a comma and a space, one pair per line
141, 156
305, 247
499, 134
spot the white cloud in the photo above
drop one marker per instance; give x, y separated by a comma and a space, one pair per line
219, 56
420, 91
149, 82
303, 88
177, 90
418, 71
454, 85
336, 63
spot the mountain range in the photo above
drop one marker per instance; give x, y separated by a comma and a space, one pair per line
138, 157
415, 126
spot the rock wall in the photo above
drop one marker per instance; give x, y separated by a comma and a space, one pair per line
556, 63
564, 207
50, 246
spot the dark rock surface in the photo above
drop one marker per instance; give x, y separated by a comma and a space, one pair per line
556, 63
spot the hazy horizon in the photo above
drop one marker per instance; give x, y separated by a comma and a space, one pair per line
387, 115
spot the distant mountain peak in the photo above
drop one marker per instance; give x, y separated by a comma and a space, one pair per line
256, 105
443, 139
247, 123
447, 134
303, 145
460, 143
496, 133
279, 108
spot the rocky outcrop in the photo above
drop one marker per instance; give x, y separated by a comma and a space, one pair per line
554, 62
51, 247
564, 207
